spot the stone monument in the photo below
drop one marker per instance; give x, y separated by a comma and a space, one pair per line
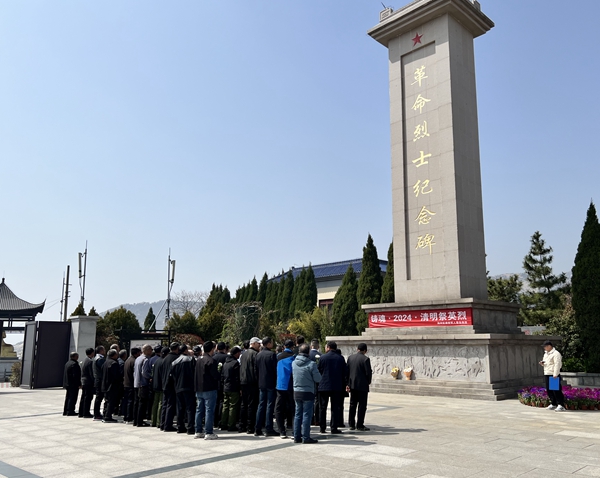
443, 327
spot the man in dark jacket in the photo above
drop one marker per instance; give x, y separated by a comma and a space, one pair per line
334, 375
266, 367
111, 384
183, 369
284, 404
127, 402
97, 369
87, 385
220, 357
359, 379
206, 383
249, 385
71, 383
169, 395
231, 391
157, 387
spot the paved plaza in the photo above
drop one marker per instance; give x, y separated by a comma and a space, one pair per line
409, 437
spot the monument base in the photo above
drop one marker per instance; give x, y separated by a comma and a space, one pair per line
489, 359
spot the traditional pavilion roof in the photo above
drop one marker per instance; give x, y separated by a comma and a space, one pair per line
13, 307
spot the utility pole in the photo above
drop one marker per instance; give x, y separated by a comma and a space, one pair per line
82, 275
170, 281
66, 297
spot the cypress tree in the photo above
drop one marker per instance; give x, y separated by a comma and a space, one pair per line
387, 290
225, 296
262, 289
150, 322
253, 290
270, 297
345, 305
287, 294
297, 296
543, 301
280, 286
586, 290
308, 297
369, 283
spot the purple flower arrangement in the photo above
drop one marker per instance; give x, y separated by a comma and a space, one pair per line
575, 398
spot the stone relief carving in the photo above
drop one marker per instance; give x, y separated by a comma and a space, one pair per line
443, 362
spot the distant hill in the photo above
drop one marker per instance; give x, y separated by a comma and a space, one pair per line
140, 310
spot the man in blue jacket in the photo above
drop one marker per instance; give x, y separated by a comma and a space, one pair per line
334, 372
284, 404
305, 377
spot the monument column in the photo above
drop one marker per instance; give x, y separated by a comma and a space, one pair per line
83, 334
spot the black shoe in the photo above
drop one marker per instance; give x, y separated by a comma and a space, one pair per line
271, 433
283, 436
144, 424
323, 431
181, 431
233, 429
258, 434
109, 420
170, 430
336, 432
88, 416
249, 432
309, 441
352, 427
297, 440
363, 429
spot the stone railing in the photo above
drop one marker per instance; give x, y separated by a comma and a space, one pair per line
581, 379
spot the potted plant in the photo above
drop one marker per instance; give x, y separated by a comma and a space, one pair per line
408, 372
395, 372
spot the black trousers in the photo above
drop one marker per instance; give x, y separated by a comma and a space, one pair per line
219, 407
285, 407
98, 402
556, 396
71, 394
169, 405
336, 403
186, 411
140, 405
358, 399
127, 404
248, 407
85, 403
112, 398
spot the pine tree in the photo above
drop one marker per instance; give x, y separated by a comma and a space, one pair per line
150, 321
287, 295
297, 297
369, 283
586, 290
345, 305
387, 290
225, 296
184, 324
253, 293
262, 289
271, 296
93, 313
543, 301
505, 290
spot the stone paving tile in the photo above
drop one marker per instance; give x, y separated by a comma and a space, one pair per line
589, 471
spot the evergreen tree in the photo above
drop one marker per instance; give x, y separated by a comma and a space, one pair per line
93, 313
387, 290
253, 291
586, 290
183, 324
226, 296
79, 310
271, 297
307, 298
505, 290
345, 305
543, 301
121, 322
298, 286
150, 321
287, 294
369, 283
262, 289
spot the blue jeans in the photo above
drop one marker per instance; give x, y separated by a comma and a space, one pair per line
205, 408
302, 418
266, 407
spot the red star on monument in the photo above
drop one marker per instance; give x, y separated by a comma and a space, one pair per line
417, 39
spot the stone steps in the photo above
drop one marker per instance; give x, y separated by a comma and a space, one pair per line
435, 388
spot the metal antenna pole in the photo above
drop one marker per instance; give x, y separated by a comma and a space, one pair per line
65, 310
84, 273
62, 297
170, 281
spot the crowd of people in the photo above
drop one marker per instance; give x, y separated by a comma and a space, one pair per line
240, 389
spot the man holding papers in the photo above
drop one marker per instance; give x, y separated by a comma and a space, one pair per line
552, 363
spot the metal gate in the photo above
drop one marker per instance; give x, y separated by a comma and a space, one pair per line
45, 352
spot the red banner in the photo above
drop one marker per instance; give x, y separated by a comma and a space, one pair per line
421, 318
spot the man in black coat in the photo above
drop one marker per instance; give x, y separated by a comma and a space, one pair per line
220, 357
249, 386
97, 369
206, 384
266, 367
169, 395
359, 379
127, 402
71, 383
111, 384
231, 391
183, 369
334, 376
87, 385
157, 387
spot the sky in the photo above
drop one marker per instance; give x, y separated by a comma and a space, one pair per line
253, 135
